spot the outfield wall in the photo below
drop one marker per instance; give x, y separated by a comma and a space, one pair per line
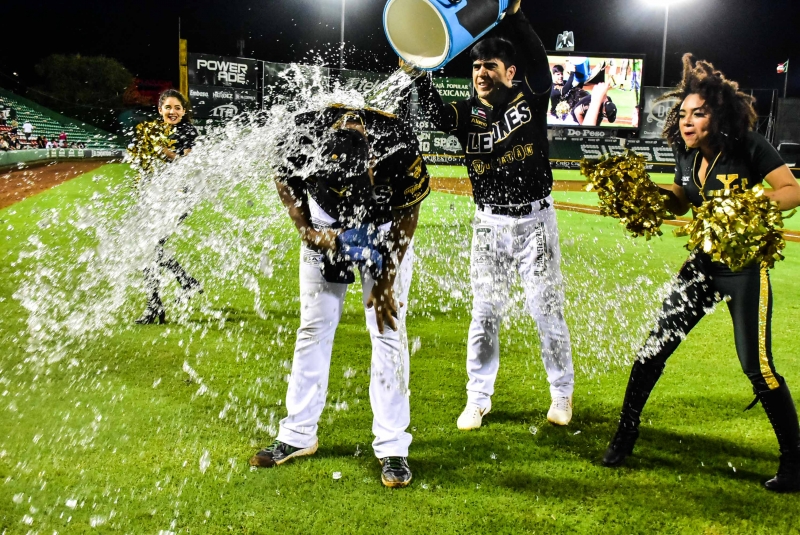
15, 158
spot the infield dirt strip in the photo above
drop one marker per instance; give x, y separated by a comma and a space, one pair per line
19, 184
461, 186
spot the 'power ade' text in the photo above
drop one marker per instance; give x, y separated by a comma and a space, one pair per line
228, 71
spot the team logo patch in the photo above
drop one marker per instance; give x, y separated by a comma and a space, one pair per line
478, 112
540, 261
311, 258
382, 194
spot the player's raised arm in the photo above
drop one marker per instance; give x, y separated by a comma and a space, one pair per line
531, 54
443, 116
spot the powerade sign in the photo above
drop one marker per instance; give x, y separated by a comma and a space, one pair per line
223, 71
210, 102
222, 87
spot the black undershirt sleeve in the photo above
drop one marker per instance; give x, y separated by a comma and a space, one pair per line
443, 116
531, 54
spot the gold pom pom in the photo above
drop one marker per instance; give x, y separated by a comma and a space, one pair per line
150, 140
562, 108
738, 229
627, 193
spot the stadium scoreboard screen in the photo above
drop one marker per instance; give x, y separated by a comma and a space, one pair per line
595, 90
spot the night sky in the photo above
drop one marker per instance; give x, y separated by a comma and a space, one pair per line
746, 39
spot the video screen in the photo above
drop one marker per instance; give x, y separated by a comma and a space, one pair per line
595, 91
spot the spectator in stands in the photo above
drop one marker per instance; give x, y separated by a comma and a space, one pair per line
27, 129
14, 127
14, 142
51, 144
4, 145
81, 145
41, 142
62, 139
3, 119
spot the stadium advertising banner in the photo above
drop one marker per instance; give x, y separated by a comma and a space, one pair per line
654, 114
221, 102
285, 83
223, 71
360, 81
567, 152
222, 87
595, 91
440, 147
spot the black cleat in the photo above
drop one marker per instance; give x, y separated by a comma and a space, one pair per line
621, 446
395, 472
788, 477
278, 453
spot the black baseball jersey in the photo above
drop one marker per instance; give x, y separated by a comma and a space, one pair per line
741, 170
506, 148
354, 178
185, 135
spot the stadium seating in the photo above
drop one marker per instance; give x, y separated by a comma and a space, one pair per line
50, 124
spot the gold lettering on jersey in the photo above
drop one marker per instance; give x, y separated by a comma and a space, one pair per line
727, 180
479, 167
416, 168
340, 192
518, 154
416, 187
479, 122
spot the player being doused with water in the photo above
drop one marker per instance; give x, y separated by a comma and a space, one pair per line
352, 181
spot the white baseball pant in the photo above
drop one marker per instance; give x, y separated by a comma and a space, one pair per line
503, 246
320, 310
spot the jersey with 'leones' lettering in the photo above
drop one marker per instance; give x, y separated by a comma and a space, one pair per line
505, 146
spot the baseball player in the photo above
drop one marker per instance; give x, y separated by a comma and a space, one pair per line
503, 130
352, 183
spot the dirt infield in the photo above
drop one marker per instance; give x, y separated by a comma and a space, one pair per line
462, 186
16, 185
19, 184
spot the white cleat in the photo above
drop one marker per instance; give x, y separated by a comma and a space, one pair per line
560, 412
472, 416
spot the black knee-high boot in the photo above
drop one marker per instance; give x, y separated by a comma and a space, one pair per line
189, 284
782, 414
155, 308
643, 379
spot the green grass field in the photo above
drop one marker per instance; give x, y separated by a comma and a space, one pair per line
149, 429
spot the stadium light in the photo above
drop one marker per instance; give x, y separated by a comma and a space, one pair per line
666, 4
341, 39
